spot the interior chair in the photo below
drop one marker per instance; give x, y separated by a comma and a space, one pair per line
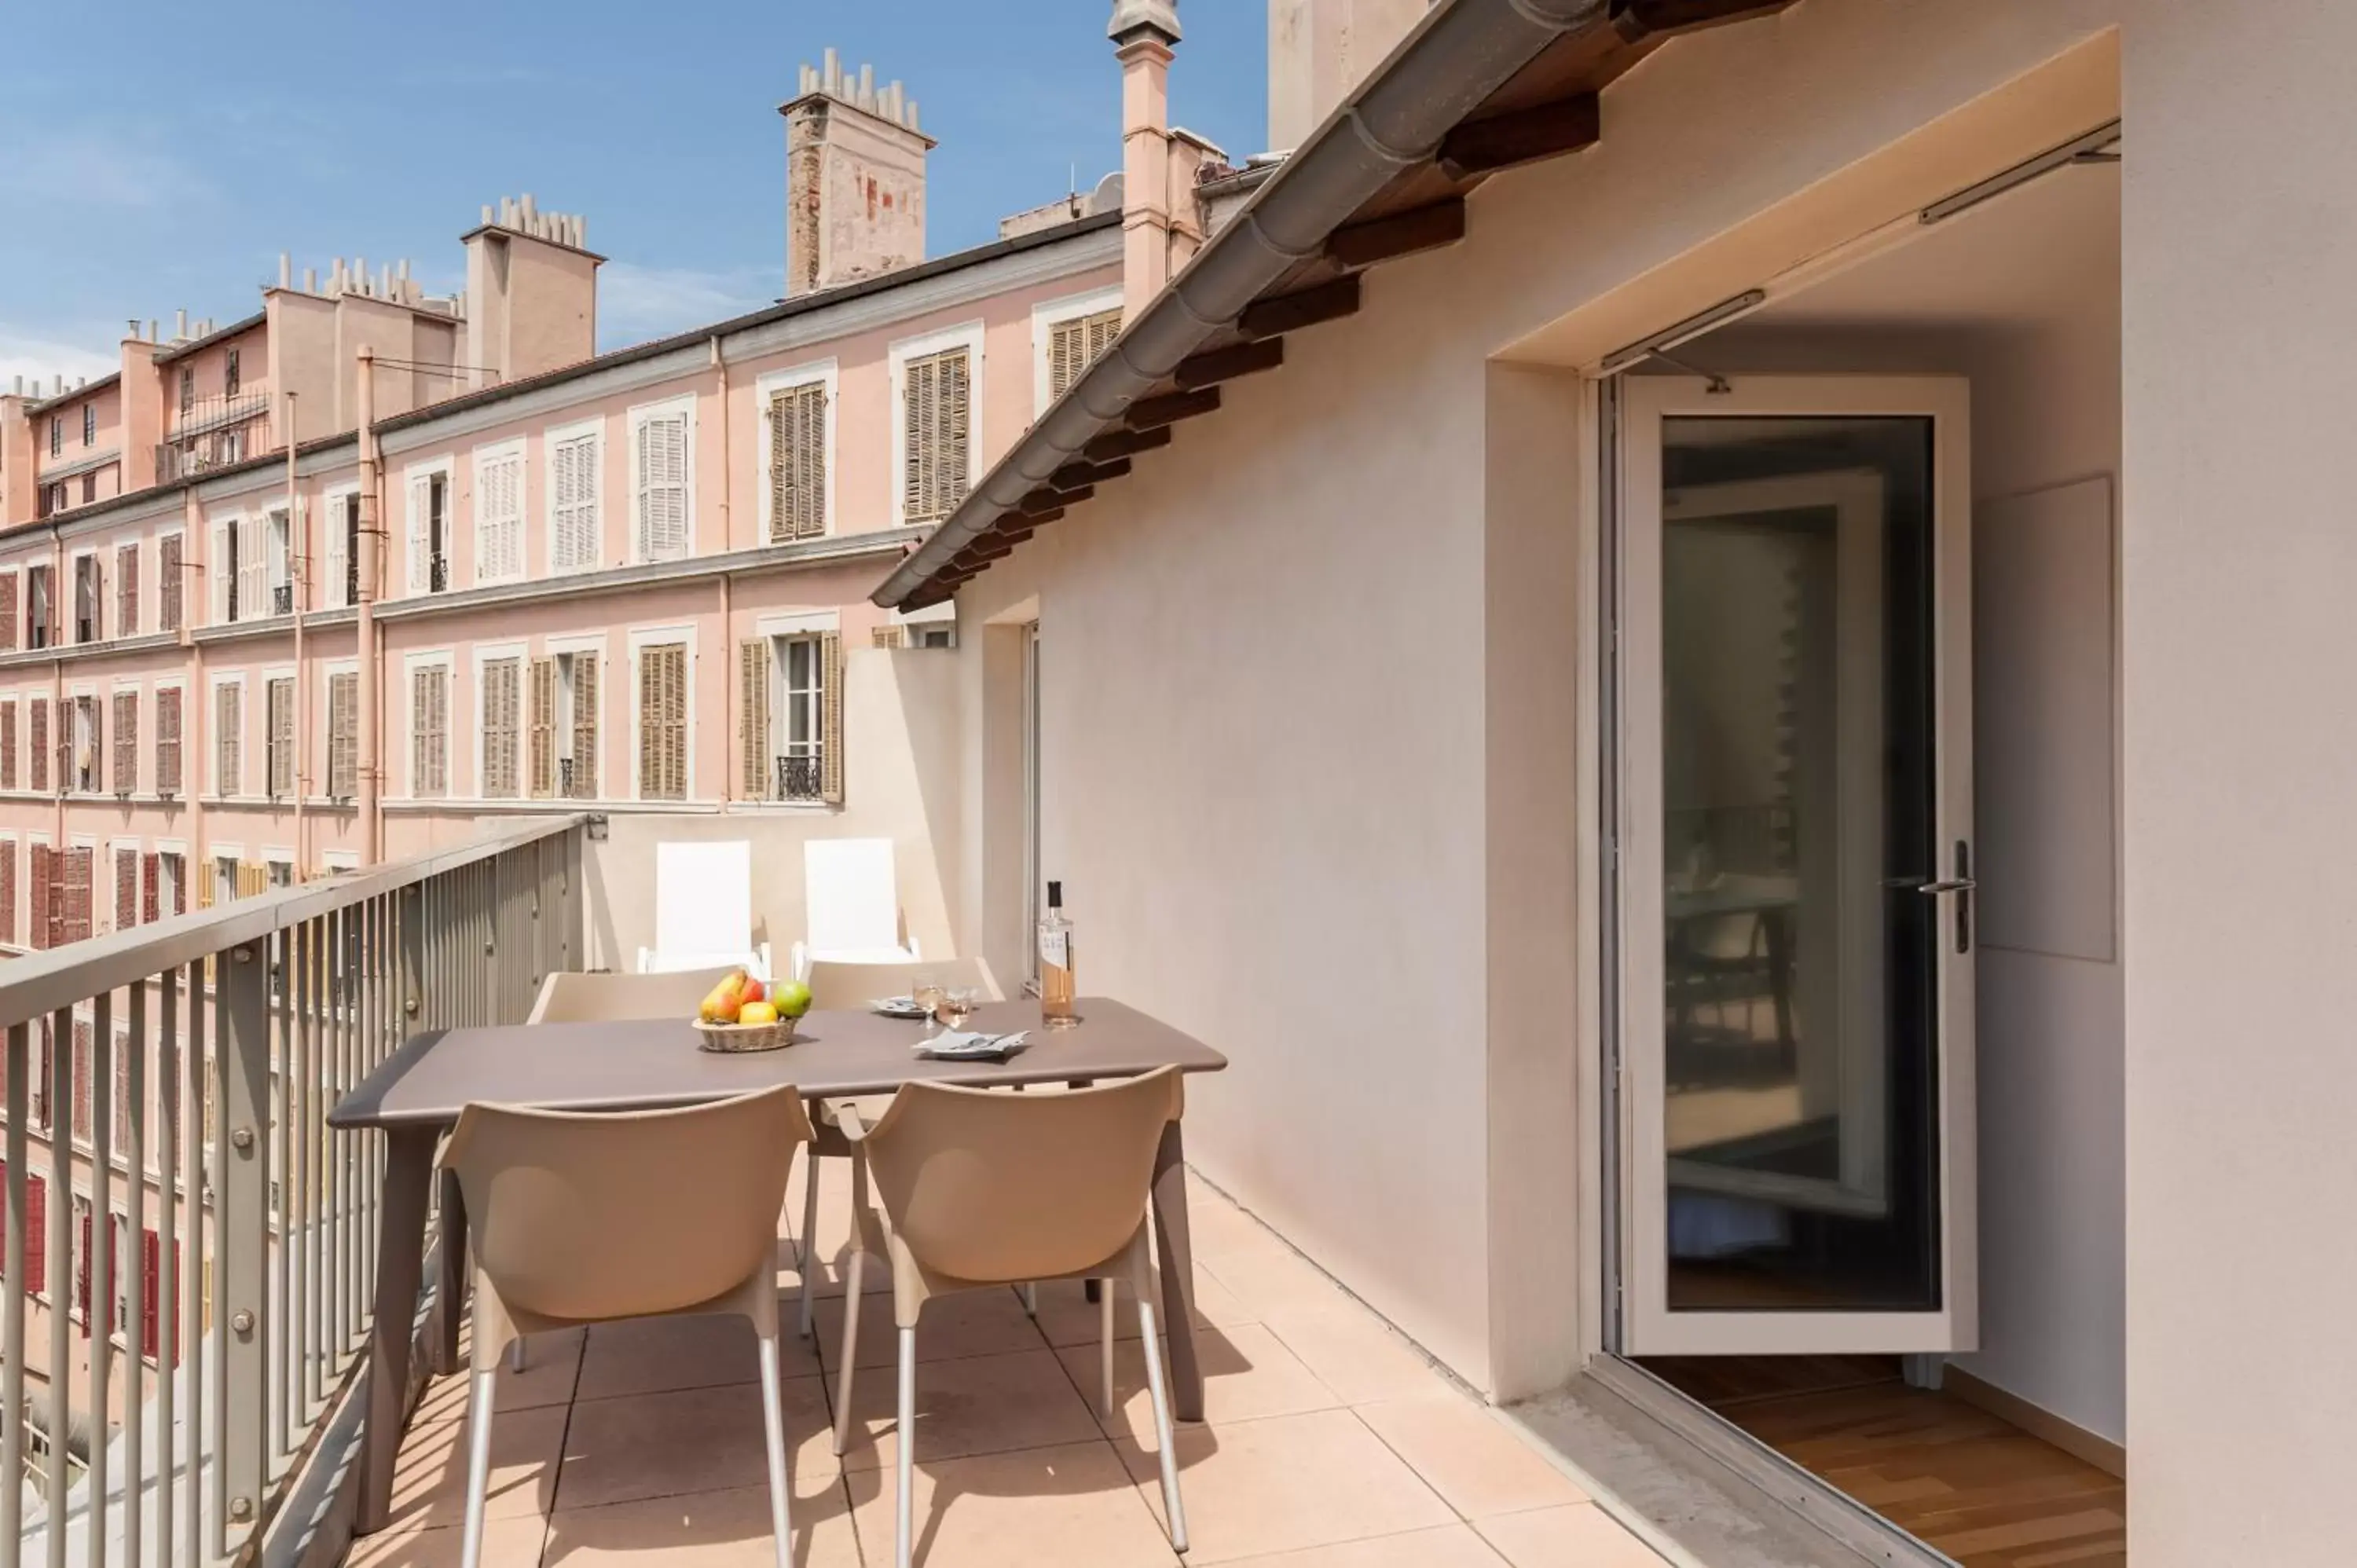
599, 998
851, 903
844, 985
580, 1220
976, 1190
704, 909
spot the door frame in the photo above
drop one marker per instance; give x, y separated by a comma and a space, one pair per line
1643, 1323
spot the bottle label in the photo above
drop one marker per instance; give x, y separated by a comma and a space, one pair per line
1054, 946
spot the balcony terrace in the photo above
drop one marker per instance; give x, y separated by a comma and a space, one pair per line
1329, 1442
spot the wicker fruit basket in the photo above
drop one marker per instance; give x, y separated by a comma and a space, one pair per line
738, 1038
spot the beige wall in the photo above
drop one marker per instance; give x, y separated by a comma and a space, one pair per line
2238, 757
1296, 803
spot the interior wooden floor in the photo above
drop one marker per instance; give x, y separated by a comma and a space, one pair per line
1954, 1477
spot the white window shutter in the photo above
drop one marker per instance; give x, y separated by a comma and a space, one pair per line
662, 487
572, 544
220, 573
498, 518
339, 558
253, 568
420, 574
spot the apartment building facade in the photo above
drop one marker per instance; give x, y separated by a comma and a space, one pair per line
340, 581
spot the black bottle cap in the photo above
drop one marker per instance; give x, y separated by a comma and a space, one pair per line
1055, 895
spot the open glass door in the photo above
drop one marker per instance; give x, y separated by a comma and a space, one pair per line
1796, 904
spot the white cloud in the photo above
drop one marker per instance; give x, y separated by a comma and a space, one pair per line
636, 303
38, 355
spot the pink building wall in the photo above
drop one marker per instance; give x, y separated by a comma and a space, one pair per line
999, 302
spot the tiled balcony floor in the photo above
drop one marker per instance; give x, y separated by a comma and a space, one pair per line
1329, 1444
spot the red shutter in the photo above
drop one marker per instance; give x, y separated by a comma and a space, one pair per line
81, 1276
36, 914
37, 1234
127, 889
122, 1106
80, 864
80, 1079
147, 911
149, 1325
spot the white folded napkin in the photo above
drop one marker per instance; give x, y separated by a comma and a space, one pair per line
958, 1045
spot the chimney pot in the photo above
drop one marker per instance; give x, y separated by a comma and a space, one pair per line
487, 212
286, 270
833, 73
310, 279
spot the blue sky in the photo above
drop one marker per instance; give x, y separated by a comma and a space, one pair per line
330, 129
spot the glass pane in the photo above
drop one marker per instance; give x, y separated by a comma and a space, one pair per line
1800, 966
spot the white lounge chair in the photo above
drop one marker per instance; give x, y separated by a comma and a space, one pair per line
704, 910
851, 905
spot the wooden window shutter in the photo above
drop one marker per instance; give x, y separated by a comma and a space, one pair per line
753, 661
662, 487
798, 463
501, 708
82, 1101
37, 904
585, 727
343, 734
229, 751
421, 500
127, 889
934, 434
81, 868
830, 718
168, 741
541, 759
126, 742
280, 699
574, 506
150, 879
662, 722
498, 518
8, 917
126, 590
430, 755
8, 744
9, 613
36, 742
168, 583
121, 1118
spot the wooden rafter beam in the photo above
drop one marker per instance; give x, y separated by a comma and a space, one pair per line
1401, 235
1226, 364
1637, 20
1149, 413
1303, 307
1073, 476
1526, 136
1034, 503
1124, 443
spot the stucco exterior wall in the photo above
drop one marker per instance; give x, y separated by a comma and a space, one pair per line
1268, 749
2238, 757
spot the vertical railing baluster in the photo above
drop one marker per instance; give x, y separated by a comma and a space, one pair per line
243, 1195
98, 1312
59, 1271
206, 1328
12, 1292
136, 1295
304, 1333
168, 1332
278, 1218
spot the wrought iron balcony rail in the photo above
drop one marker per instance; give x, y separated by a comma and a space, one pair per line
799, 777
214, 432
227, 1033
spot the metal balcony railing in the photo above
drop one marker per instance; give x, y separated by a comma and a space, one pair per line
799, 778
245, 1319
214, 432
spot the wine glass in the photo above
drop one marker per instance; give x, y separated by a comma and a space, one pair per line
927, 995
956, 1006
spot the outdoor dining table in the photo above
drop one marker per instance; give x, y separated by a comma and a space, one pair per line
416, 1095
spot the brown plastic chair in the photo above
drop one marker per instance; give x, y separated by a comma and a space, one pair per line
845, 985
599, 998
590, 1218
981, 1190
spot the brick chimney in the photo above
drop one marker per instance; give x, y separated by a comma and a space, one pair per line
1144, 33
854, 178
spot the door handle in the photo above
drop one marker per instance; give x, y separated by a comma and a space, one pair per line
1962, 886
